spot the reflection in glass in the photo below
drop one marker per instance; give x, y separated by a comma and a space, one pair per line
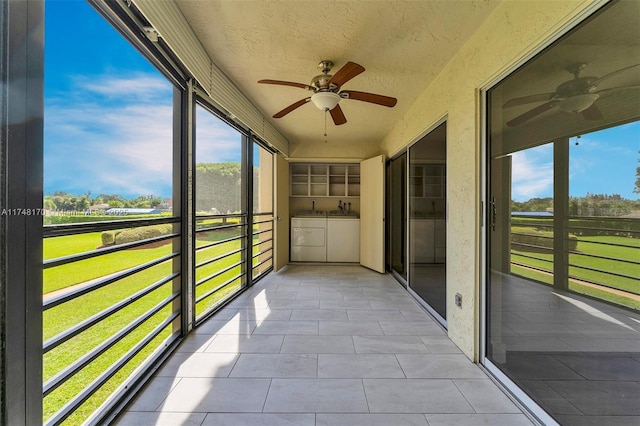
262, 242
398, 215
221, 219
563, 283
427, 221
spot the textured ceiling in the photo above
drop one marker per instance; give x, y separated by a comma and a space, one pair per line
402, 45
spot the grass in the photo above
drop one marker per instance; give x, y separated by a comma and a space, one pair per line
62, 317
605, 246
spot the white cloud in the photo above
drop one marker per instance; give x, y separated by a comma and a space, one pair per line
215, 140
93, 143
134, 85
532, 175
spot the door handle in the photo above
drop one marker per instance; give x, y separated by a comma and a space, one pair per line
493, 215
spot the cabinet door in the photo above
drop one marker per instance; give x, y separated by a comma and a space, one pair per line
372, 213
281, 254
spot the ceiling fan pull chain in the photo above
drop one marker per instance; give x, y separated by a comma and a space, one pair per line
325, 122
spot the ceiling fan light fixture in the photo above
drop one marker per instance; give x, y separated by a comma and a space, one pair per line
578, 103
325, 101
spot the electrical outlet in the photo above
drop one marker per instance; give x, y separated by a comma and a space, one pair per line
458, 300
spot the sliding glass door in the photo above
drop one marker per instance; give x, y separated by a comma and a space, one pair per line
427, 220
563, 276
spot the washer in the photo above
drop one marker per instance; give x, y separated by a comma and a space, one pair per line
308, 239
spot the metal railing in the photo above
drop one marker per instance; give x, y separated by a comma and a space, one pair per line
219, 266
78, 322
591, 260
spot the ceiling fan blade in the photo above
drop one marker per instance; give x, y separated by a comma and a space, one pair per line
346, 73
369, 97
291, 107
540, 97
592, 113
286, 83
523, 118
616, 89
338, 115
611, 74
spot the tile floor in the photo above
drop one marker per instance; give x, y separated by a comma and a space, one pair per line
321, 345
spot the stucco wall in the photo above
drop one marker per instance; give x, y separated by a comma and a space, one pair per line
512, 32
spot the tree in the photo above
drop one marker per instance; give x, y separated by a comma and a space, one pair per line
636, 190
218, 187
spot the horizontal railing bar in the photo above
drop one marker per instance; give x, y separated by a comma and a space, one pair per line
218, 273
50, 231
221, 227
615, 259
599, 284
82, 326
58, 261
261, 242
261, 262
549, 237
258, 222
262, 252
615, 274
87, 358
532, 267
262, 232
55, 301
262, 274
589, 228
220, 287
602, 243
215, 259
217, 243
88, 391
532, 246
263, 213
126, 392
219, 216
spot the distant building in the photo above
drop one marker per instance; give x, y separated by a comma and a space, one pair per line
129, 211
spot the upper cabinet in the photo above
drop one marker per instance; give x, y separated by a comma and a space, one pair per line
427, 181
325, 180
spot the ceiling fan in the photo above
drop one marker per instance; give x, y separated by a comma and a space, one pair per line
577, 95
327, 93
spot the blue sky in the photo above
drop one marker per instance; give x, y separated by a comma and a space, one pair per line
108, 123
602, 162
108, 112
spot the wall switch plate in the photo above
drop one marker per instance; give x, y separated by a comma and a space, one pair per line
458, 300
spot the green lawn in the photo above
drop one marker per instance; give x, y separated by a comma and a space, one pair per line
62, 317
592, 245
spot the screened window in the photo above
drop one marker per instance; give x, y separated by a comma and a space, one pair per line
221, 211
111, 280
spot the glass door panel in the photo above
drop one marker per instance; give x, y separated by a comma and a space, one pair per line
427, 220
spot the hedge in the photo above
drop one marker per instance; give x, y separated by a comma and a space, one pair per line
135, 234
529, 239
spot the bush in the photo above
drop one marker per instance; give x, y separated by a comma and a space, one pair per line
144, 233
108, 238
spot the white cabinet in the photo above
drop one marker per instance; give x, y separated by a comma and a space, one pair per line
427, 181
343, 240
325, 180
325, 239
428, 240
